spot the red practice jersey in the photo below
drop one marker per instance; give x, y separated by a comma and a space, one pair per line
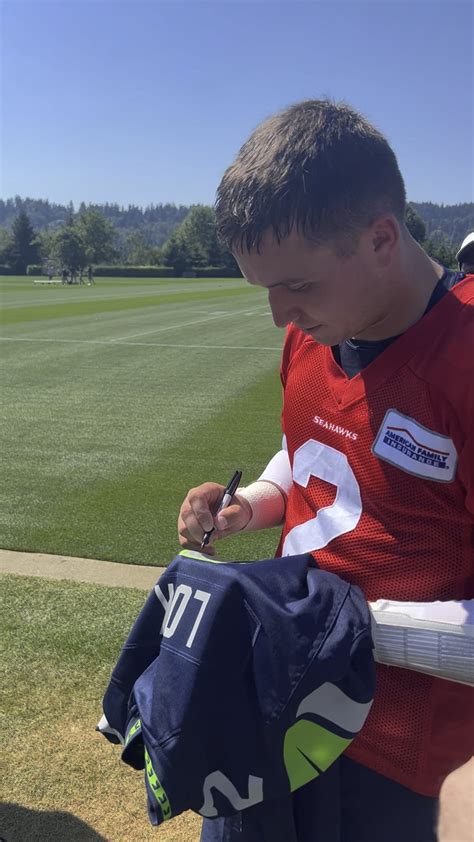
383, 495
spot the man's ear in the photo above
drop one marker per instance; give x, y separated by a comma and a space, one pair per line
385, 236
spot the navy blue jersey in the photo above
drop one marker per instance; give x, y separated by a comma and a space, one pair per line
240, 682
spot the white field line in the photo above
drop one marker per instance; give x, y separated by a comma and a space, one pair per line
143, 344
188, 324
33, 302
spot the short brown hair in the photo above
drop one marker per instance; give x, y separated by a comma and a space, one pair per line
319, 167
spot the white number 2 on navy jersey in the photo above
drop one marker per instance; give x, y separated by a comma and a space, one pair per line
314, 459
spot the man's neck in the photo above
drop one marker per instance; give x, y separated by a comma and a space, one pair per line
413, 285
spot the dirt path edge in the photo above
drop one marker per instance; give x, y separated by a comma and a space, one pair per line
97, 572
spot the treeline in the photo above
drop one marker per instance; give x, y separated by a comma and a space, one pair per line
88, 238
446, 223
155, 222
50, 237
443, 223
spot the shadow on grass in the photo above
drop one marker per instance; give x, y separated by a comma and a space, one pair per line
18, 824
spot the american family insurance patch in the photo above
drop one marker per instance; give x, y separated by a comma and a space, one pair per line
408, 445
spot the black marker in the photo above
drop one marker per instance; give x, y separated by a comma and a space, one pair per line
229, 492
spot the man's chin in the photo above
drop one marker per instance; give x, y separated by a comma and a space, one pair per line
322, 334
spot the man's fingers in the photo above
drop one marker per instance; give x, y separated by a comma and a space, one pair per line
196, 516
202, 514
188, 542
202, 502
189, 531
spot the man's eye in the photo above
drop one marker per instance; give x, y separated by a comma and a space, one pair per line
299, 287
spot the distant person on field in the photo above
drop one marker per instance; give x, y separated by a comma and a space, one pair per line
64, 276
90, 276
465, 255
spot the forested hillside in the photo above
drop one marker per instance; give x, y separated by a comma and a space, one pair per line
48, 237
451, 222
155, 222
448, 223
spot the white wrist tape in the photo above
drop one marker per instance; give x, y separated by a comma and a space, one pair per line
436, 638
268, 503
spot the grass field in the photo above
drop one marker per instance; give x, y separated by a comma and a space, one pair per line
61, 781
118, 398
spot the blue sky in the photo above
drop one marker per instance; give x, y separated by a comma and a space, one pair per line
148, 102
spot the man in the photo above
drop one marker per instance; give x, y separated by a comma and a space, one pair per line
376, 475
465, 255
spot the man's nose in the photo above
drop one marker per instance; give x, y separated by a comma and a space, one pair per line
283, 310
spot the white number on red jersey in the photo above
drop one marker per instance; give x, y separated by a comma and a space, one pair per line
315, 459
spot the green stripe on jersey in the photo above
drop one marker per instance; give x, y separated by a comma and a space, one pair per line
157, 789
201, 557
132, 731
308, 750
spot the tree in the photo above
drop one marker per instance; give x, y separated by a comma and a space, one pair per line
415, 224
6, 246
442, 253
194, 243
136, 250
199, 230
24, 247
227, 261
70, 249
156, 256
176, 252
98, 235
46, 244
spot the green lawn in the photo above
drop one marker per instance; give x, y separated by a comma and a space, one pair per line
119, 397
61, 781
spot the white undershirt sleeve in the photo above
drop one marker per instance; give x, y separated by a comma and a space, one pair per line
278, 470
436, 638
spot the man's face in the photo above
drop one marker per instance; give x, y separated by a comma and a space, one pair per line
331, 298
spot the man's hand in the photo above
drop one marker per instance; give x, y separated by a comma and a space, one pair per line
196, 516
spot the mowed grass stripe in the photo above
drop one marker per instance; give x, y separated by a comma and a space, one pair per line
84, 308
40, 296
24, 348
112, 326
96, 504
22, 283
184, 345
93, 433
232, 323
